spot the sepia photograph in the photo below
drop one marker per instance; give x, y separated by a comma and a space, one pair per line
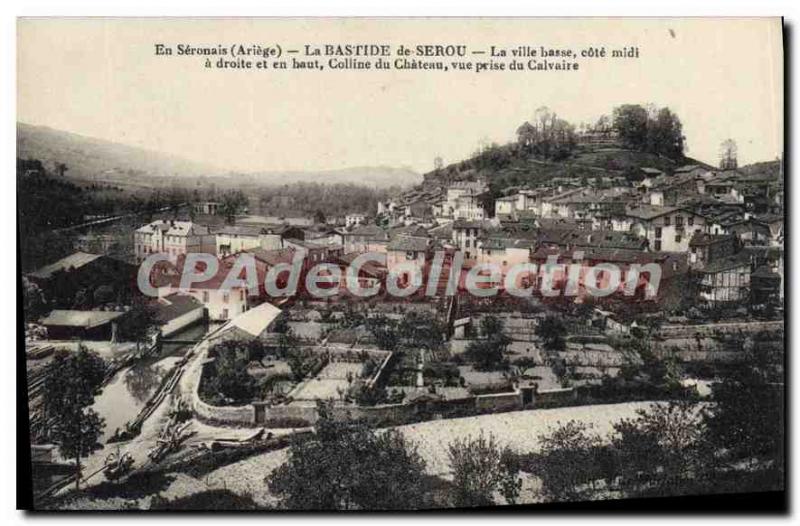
400, 264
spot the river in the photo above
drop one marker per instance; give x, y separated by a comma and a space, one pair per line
130, 389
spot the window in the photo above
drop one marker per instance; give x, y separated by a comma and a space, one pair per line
658, 244
666, 220
658, 232
225, 297
205, 296
678, 238
679, 221
690, 221
224, 314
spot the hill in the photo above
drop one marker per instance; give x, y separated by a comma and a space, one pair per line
506, 166
98, 160
764, 169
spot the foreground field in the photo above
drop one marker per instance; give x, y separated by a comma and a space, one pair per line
519, 430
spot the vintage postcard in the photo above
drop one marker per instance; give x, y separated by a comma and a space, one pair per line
400, 264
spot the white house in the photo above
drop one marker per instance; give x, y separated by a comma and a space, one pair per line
462, 201
506, 205
233, 239
667, 228
354, 219
173, 238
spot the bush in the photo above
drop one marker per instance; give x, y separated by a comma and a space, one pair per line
211, 500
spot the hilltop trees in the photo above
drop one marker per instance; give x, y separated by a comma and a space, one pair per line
72, 382
546, 135
652, 130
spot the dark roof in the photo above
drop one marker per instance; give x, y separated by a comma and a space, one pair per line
411, 230
369, 231
464, 223
605, 239
242, 230
502, 243
687, 168
86, 319
648, 212
602, 254
370, 268
720, 265
272, 257
409, 244
175, 305
764, 272
76, 260
702, 239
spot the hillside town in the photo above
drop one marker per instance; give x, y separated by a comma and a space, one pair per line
202, 388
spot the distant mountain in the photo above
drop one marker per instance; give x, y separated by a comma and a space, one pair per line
763, 169
97, 159
376, 176
94, 159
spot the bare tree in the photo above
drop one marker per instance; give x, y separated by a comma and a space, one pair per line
728, 155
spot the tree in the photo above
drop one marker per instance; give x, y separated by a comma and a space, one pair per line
33, 302
137, 322
489, 353
281, 325
650, 129
228, 377
662, 450
747, 416
630, 121
481, 468
568, 461
551, 329
319, 217
301, 362
421, 330
232, 204
385, 331
665, 135
347, 466
71, 383
546, 135
728, 155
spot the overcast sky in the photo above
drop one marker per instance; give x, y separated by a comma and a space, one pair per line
100, 78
